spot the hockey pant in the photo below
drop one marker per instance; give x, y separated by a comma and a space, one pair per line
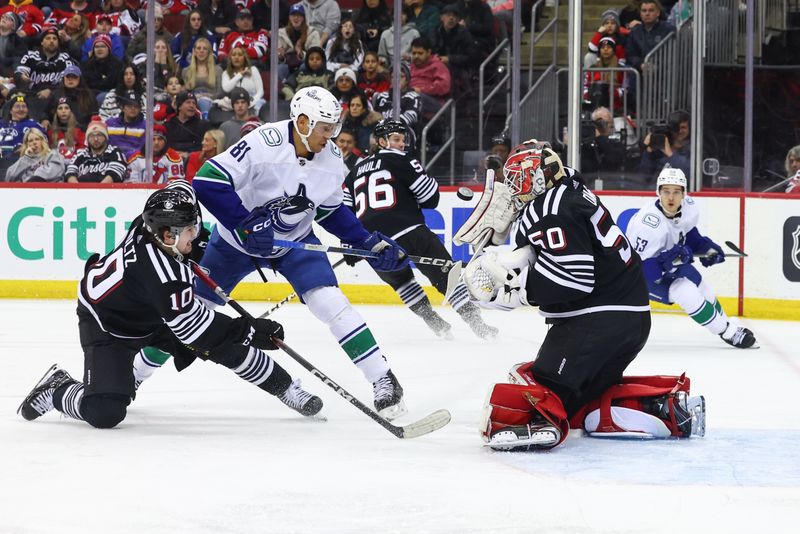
694, 296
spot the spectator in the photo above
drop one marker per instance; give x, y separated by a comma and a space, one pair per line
13, 130
164, 108
63, 11
240, 102
503, 12
597, 85
645, 36
294, 40
185, 130
344, 86
410, 106
126, 130
601, 148
167, 163
74, 34
678, 123
629, 16
124, 20
219, 16
164, 65
31, 16
40, 71
138, 44
373, 18
792, 163
408, 32
658, 153
240, 74
500, 148
128, 81
345, 48
324, 16
103, 27
183, 42
455, 47
609, 27
213, 144
99, 162
81, 100
66, 135
103, 71
424, 15
12, 46
429, 76
360, 120
251, 124
36, 163
254, 41
203, 76
346, 141
478, 19
177, 7
371, 79
314, 72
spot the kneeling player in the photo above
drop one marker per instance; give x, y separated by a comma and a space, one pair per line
575, 264
141, 295
664, 233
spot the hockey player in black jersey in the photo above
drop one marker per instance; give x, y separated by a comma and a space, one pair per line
572, 261
387, 192
140, 295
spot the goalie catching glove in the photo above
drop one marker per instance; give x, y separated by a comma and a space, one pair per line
498, 280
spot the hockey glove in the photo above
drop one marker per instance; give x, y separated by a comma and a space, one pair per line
263, 332
714, 254
667, 259
391, 257
493, 285
199, 245
256, 233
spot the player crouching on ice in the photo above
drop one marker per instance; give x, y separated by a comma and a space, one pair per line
664, 233
571, 260
140, 295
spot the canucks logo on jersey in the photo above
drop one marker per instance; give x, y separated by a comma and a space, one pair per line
289, 211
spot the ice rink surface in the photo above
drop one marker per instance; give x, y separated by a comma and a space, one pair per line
203, 451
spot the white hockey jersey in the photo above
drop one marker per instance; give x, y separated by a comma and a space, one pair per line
651, 232
263, 167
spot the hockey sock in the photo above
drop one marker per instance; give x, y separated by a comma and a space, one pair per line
146, 362
329, 305
459, 297
689, 297
708, 294
67, 400
261, 370
411, 293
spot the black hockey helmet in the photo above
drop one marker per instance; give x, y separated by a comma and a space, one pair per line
170, 208
387, 127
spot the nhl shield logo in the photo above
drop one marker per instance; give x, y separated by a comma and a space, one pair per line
791, 249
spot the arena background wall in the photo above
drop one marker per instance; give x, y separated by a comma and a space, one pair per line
46, 234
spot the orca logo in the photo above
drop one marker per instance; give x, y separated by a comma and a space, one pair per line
287, 212
791, 249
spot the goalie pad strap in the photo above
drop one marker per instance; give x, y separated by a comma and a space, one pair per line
515, 405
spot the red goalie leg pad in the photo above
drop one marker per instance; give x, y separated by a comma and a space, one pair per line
516, 405
634, 392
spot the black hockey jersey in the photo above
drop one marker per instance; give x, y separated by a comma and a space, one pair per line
584, 261
386, 191
137, 289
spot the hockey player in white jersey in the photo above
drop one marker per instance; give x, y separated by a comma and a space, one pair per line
664, 233
274, 183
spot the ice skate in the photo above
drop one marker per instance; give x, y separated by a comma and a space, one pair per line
434, 321
525, 437
472, 316
40, 400
389, 397
690, 414
739, 337
300, 400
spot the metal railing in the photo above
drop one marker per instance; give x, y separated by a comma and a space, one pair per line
450, 142
539, 108
723, 29
505, 80
537, 36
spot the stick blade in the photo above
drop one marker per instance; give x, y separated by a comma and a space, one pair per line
453, 279
736, 249
426, 425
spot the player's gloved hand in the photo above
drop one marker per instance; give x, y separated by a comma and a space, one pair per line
493, 285
714, 254
391, 257
199, 245
256, 233
263, 332
680, 252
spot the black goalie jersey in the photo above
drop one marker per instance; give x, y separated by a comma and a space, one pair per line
386, 191
137, 289
584, 261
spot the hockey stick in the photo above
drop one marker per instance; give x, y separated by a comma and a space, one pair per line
737, 250
291, 296
426, 425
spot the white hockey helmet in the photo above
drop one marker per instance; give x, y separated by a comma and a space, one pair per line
319, 105
671, 176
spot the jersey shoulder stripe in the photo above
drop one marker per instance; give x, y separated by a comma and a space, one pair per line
211, 171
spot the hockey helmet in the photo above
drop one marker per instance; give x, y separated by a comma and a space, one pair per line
671, 176
386, 127
172, 209
531, 169
319, 105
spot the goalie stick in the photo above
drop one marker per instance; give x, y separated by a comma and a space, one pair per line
426, 425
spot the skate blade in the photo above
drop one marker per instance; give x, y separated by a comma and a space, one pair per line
41, 381
393, 412
628, 434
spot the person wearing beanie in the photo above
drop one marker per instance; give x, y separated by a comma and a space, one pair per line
13, 130
12, 46
167, 163
66, 134
410, 107
185, 129
99, 162
103, 70
103, 27
609, 27
240, 101
345, 86
456, 47
127, 130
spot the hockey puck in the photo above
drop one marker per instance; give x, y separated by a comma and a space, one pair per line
465, 193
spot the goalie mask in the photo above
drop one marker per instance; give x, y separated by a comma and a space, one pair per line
531, 169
